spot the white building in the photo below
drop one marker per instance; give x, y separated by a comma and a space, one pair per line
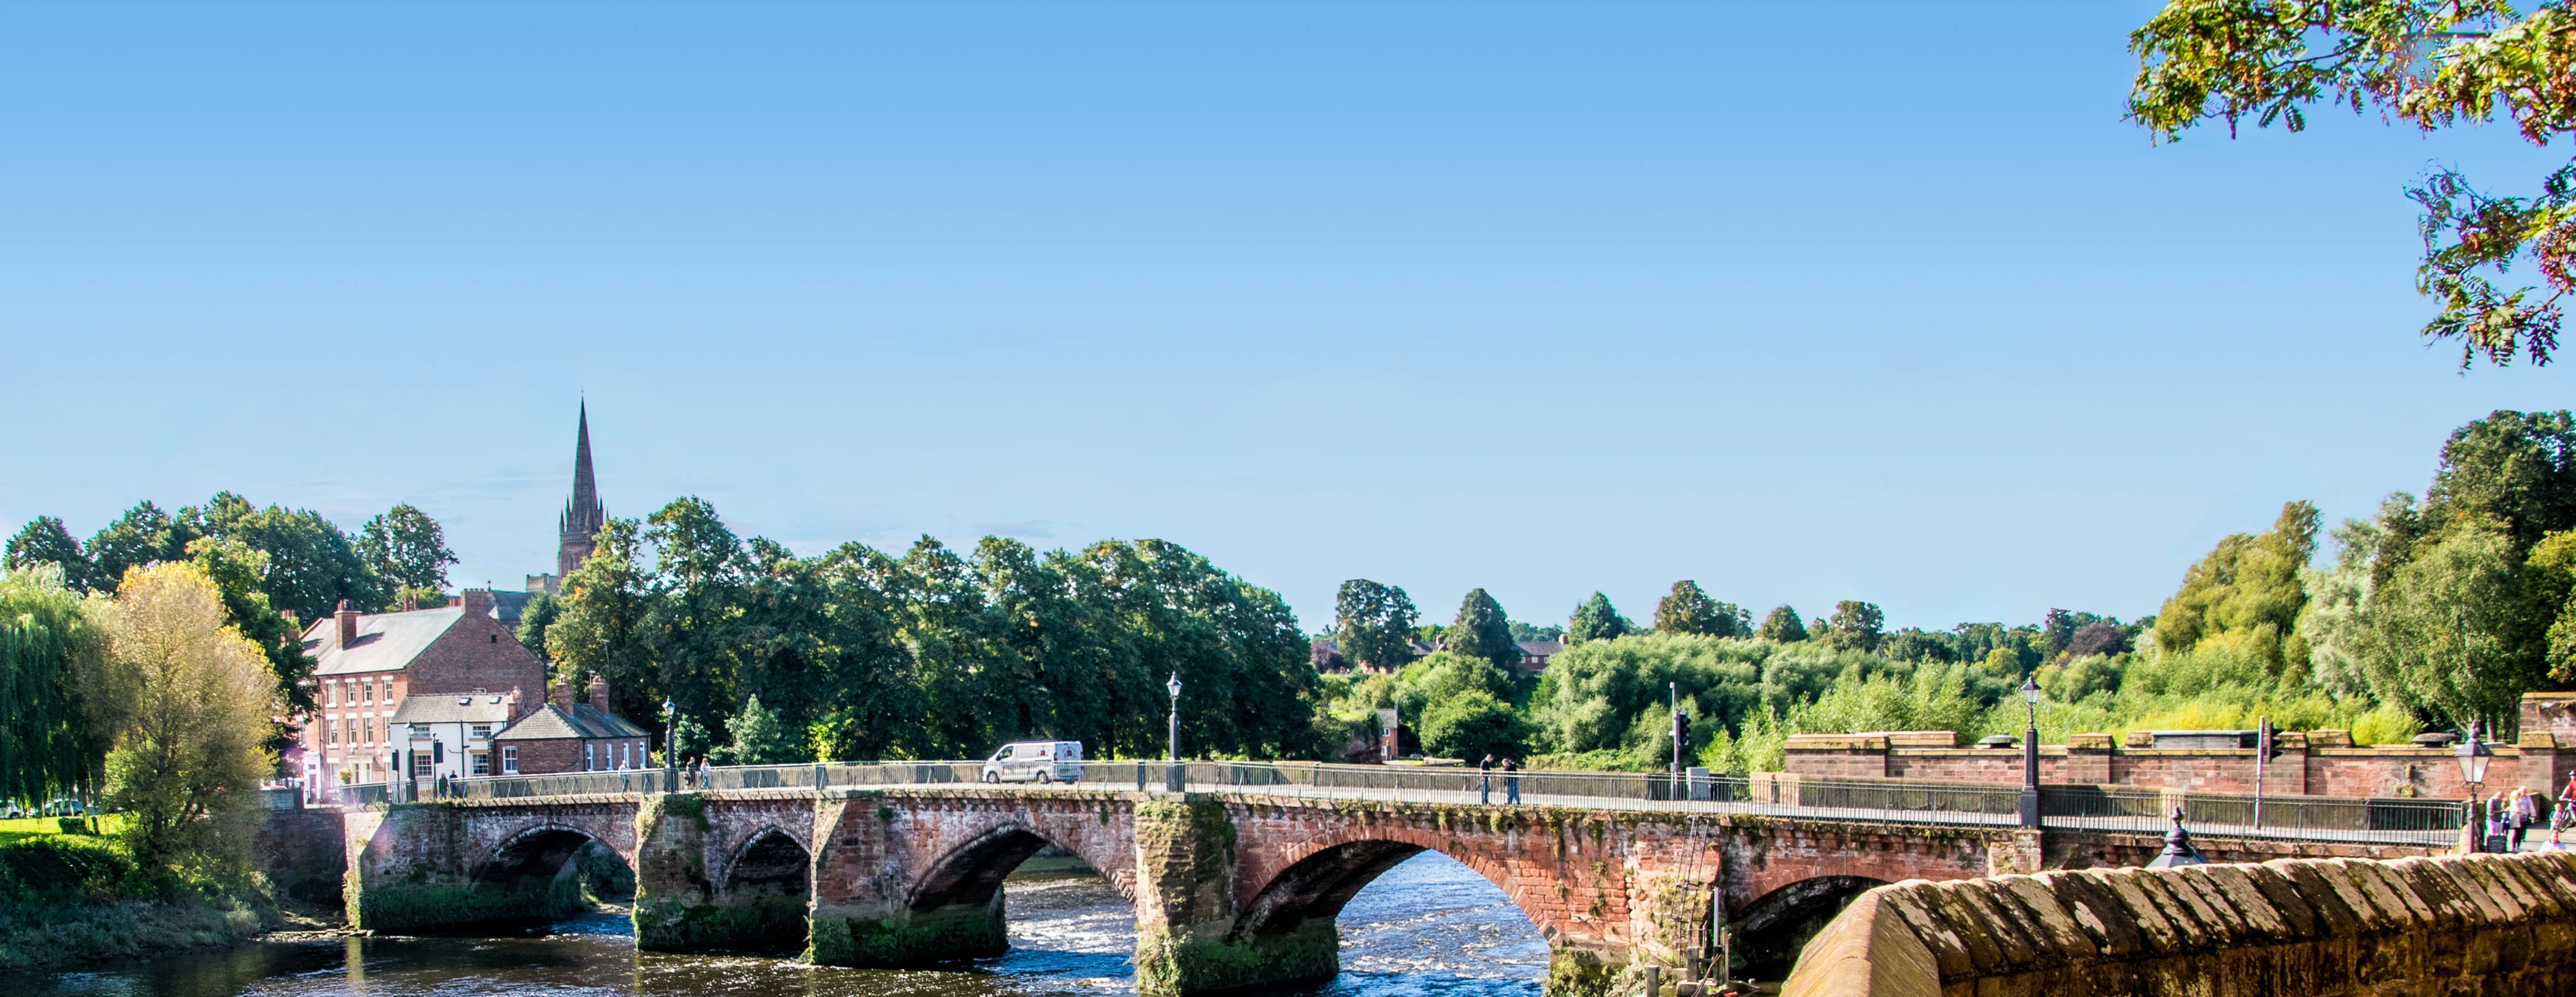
451, 735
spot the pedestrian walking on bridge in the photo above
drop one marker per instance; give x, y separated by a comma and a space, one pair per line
1485, 781
1511, 782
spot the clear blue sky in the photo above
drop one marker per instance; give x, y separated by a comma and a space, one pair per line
1885, 303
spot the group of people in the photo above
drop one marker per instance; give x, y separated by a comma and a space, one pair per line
2511, 816
1485, 780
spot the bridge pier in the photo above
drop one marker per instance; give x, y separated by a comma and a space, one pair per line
758, 901
408, 865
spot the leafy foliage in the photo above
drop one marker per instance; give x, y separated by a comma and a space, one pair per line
935, 653
406, 548
1690, 611
2432, 63
1482, 630
1373, 624
1783, 626
2245, 596
45, 541
196, 702
54, 662
1854, 626
1596, 619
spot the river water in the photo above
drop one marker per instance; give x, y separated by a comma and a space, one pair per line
1427, 928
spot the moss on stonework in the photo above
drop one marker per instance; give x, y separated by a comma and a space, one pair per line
660, 805
916, 939
1577, 973
1172, 965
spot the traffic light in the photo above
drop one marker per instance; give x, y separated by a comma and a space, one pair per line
1681, 732
2268, 738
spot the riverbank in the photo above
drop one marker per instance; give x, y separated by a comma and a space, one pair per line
69, 898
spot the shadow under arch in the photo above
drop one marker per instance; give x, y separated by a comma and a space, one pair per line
763, 892
1294, 921
1770, 931
538, 874
956, 911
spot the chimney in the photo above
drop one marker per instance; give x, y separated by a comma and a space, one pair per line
477, 602
453, 601
562, 693
514, 705
348, 623
411, 601
599, 693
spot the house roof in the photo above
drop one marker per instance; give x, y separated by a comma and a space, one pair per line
385, 642
581, 721
453, 708
1541, 648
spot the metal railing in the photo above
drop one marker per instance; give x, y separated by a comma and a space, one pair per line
2144, 811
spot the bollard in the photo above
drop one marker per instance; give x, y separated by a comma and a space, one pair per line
1654, 980
1690, 965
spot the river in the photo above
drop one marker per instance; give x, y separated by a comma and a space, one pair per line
1427, 928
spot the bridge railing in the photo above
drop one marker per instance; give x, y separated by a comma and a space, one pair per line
2392, 821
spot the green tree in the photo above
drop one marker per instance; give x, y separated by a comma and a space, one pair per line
197, 702
1472, 725
1596, 619
143, 535
45, 541
2452, 632
539, 614
1482, 630
236, 571
1783, 626
1855, 626
312, 565
1373, 624
1690, 611
54, 667
406, 548
759, 739
2516, 468
2430, 63
2244, 598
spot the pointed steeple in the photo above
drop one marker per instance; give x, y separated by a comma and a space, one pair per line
584, 515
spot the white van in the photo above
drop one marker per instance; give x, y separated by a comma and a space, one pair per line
1035, 761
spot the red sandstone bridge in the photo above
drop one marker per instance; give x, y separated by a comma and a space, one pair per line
1238, 870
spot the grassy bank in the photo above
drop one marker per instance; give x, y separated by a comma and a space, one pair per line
74, 897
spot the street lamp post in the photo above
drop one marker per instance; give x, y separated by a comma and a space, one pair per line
2473, 756
670, 746
1172, 772
2030, 755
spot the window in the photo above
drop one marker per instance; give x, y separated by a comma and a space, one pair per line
510, 761
420, 767
586, 766
367, 690
482, 732
621, 756
482, 763
420, 730
331, 729
330, 694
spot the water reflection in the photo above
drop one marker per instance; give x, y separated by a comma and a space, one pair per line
1427, 927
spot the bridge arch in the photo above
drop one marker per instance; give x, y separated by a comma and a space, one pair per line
971, 872
1307, 891
1770, 931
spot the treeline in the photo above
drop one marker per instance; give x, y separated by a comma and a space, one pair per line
933, 653
267, 563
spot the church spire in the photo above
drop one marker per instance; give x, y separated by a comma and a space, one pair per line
584, 515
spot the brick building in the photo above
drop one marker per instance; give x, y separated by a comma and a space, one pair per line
568, 736
366, 663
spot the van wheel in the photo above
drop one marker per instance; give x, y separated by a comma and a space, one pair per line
994, 777
1046, 777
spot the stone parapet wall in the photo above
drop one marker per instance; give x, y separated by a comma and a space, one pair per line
2482, 924
2543, 761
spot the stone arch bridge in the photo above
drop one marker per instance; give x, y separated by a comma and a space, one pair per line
1233, 890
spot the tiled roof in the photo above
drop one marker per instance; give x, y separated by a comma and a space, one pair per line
553, 722
453, 708
386, 641
1541, 648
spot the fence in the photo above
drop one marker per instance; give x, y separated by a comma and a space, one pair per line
2145, 811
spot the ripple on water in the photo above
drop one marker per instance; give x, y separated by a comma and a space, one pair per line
1430, 927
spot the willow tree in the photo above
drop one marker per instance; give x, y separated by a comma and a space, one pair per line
53, 656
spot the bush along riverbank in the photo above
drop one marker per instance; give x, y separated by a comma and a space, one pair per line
72, 898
